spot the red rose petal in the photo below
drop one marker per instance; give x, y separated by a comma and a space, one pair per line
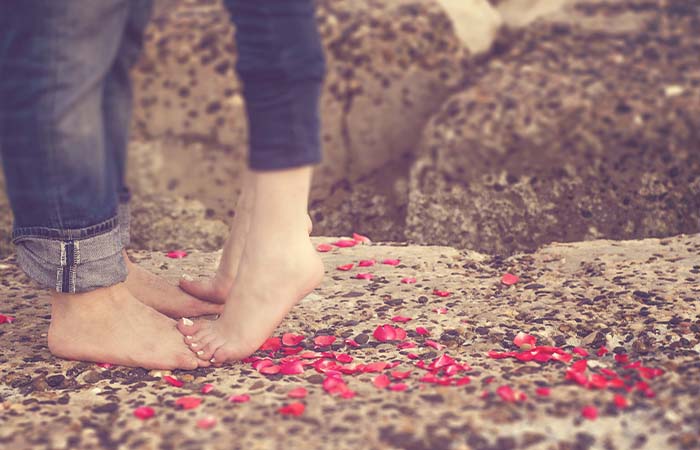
408, 280
621, 358
346, 267
345, 243
580, 351
381, 381
144, 412
290, 339
440, 310
244, 398
422, 331
324, 341
293, 409
433, 344
105, 365
271, 344
291, 368
375, 367
176, 254
602, 351
543, 391
440, 293
404, 345
6, 319
323, 248
398, 387
509, 279
364, 276
360, 239
620, 401
463, 381
206, 422
580, 365
391, 262
207, 388
401, 375
344, 358
366, 263
188, 402
270, 370
590, 412
173, 381
299, 392
401, 319
506, 393
352, 343
524, 341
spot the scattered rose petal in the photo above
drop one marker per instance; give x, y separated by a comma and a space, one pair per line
524, 341
621, 358
422, 331
381, 381
360, 239
188, 402
176, 254
352, 343
375, 367
463, 381
299, 392
323, 248
509, 279
324, 341
440, 310
105, 365
344, 243
144, 412
366, 263
620, 401
391, 262
401, 375
290, 339
408, 280
602, 351
243, 398
433, 344
6, 319
385, 333
270, 370
207, 388
271, 344
440, 293
364, 276
346, 267
206, 422
580, 365
293, 409
404, 345
291, 368
173, 381
543, 391
506, 393
400, 319
398, 387
590, 412
344, 358
580, 351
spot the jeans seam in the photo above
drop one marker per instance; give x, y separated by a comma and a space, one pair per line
51, 160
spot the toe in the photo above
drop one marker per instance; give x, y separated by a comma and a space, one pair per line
203, 290
207, 352
189, 327
186, 361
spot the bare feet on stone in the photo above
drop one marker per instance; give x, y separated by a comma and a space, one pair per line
109, 325
164, 297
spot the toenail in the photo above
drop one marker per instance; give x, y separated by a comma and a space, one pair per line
200, 353
186, 277
212, 360
193, 345
187, 322
189, 337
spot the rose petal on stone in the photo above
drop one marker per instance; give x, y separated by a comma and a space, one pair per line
404, 345
524, 341
176, 254
580, 351
352, 343
207, 388
345, 243
375, 367
243, 398
346, 267
391, 262
441, 293
360, 239
299, 392
271, 344
621, 358
398, 387
144, 412
440, 310
206, 422
291, 368
366, 263
173, 381
293, 409
364, 276
602, 351
563, 357
188, 402
105, 365
580, 366
422, 331
270, 370
324, 341
291, 339
620, 401
408, 280
543, 391
6, 319
589, 412
401, 375
506, 393
463, 381
401, 319
344, 358
381, 381
384, 333
433, 344
323, 248
509, 279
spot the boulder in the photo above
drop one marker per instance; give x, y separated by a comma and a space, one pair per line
573, 133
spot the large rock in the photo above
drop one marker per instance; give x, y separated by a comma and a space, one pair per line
575, 133
390, 66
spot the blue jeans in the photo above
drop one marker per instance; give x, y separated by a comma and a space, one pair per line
65, 107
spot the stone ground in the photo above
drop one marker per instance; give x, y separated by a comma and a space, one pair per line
639, 298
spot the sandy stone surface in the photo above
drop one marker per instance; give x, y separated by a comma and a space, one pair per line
635, 298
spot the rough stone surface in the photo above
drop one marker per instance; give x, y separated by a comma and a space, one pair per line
640, 298
574, 133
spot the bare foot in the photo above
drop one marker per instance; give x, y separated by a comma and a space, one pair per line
109, 325
274, 276
164, 297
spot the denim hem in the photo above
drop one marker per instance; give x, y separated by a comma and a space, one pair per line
281, 160
20, 233
73, 265
124, 215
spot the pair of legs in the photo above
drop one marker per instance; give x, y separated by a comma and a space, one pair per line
65, 105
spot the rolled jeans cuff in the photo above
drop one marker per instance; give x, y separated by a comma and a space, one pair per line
73, 265
124, 215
